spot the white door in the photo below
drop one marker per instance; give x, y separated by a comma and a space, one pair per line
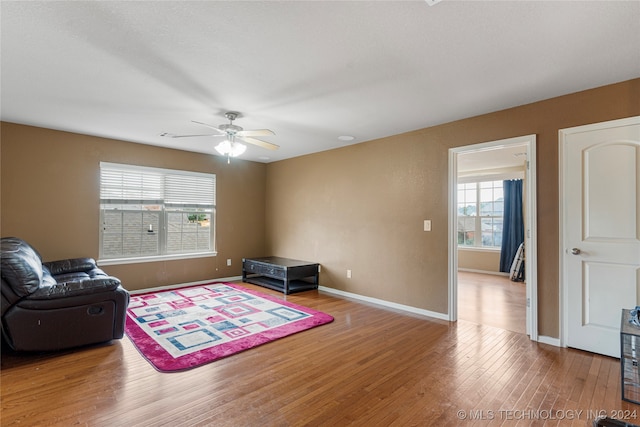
601, 231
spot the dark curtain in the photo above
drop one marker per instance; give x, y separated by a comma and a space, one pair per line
513, 224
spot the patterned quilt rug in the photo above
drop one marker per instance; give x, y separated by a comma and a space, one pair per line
188, 327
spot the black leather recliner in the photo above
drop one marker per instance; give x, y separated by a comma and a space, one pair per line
57, 305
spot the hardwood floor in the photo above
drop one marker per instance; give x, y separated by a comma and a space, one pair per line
492, 300
371, 367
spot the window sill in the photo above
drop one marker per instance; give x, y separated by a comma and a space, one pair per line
172, 257
477, 249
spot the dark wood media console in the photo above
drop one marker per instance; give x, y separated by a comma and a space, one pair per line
282, 274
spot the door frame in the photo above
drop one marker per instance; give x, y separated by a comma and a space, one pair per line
562, 207
530, 241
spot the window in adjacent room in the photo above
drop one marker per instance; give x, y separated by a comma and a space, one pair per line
148, 213
480, 211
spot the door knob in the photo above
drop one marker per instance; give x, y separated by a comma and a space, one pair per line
575, 251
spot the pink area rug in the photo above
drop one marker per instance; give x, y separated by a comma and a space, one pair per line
184, 328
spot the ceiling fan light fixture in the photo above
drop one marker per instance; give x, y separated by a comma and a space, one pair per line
230, 149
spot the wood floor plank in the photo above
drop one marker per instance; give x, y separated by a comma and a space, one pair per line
492, 300
372, 366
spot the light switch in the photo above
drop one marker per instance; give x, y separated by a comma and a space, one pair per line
427, 225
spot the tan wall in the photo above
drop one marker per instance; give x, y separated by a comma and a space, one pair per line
479, 260
361, 207
50, 197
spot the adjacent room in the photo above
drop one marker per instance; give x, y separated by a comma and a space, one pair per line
241, 213
491, 280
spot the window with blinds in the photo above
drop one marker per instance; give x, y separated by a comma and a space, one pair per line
148, 212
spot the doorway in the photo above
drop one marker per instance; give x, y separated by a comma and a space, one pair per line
491, 151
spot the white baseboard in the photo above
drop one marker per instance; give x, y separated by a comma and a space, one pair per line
384, 303
549, 340
184, 285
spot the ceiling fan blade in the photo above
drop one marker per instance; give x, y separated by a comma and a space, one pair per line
170, 135
255, 132
260, 143
210, 126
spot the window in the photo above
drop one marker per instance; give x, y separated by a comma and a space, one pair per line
148, 212
480, 210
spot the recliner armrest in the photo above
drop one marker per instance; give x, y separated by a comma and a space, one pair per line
72, 265
76, 288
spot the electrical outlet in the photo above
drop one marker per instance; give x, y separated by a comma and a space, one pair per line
229, 262
348, 274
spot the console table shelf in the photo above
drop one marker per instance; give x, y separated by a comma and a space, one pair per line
281, 274
629, 356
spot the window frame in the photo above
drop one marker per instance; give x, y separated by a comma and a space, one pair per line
478, 246
165, 209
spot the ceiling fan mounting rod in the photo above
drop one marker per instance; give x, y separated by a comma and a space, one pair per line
230, 129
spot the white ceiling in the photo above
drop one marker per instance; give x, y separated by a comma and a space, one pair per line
308, 70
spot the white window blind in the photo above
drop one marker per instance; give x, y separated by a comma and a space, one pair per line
150, 212
195, 191
126, 186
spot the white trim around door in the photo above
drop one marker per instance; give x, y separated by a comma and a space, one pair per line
531, 265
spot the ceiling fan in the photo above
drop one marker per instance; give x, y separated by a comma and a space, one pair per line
230, 146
